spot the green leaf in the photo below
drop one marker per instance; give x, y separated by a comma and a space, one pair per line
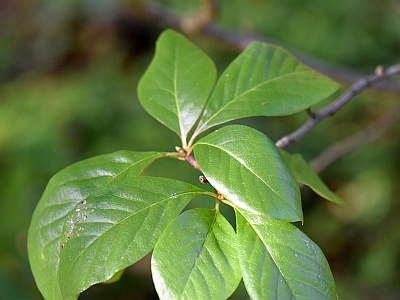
177, 83
196, 257
97, 217
245, 166
264, 80
117, 276
279, 261
64, 192
124, 220
303, 173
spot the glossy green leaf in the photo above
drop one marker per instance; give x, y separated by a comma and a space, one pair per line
177, 83
196, 257
279, 261
264, 80
303, 173
124, 220
97, 217
247, 169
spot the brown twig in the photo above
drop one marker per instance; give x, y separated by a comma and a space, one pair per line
191, 160
157, 13
331, 109
340, 149
196, 22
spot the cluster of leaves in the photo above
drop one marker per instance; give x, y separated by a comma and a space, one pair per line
101, 215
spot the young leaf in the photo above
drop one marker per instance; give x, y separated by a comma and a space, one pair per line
264, 80
196, 257
82, 209
306, 175
279, 261
177, 83
247, 169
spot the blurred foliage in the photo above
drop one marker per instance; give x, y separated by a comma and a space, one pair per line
68, 76
357, 33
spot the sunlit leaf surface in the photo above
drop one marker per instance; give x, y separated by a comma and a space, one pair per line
97, 217
177, 83
247, 168
196, 257
264, 80
279, 261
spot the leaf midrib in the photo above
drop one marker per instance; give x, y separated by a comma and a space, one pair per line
118, 223
248, 168
154, 156
181, 129
94, 190
267, 247
204, 127
198, 257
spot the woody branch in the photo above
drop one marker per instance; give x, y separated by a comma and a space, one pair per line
331, 109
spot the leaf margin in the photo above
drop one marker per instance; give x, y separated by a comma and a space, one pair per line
36, 253
256, 289
304, 174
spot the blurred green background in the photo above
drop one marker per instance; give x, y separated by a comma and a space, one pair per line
68, 77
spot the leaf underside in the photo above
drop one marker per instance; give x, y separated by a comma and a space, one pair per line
303, 173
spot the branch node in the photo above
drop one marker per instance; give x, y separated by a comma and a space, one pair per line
379, 71
196, 22
330, 110
191, 160
310, 113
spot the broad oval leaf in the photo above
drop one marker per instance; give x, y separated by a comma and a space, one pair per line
279, 261
81, 205
177, 83
303, 173
264, 80
196, 257
247, 169
121, 225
